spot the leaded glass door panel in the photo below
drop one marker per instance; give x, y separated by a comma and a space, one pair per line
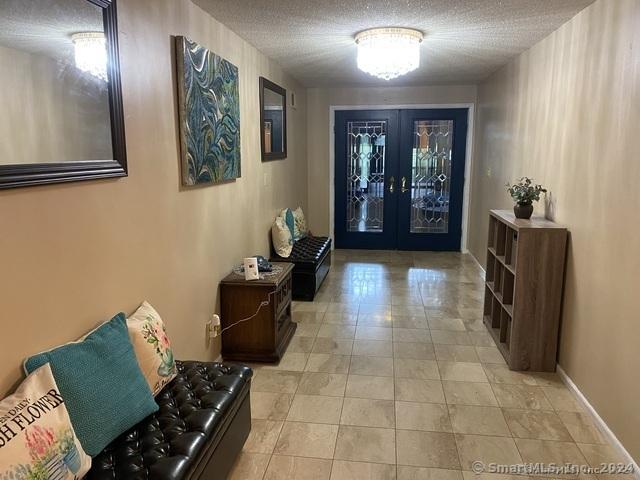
366, 178
432, 158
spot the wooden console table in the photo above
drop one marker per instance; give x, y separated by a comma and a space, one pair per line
265, 337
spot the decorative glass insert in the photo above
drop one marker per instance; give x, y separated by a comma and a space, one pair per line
431, 176
366, 142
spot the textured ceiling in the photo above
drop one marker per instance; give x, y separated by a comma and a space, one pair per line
45, 26
466, 40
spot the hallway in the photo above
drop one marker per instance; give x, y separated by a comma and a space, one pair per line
391, 374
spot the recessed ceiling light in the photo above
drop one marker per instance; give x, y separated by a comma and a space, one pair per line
389, 52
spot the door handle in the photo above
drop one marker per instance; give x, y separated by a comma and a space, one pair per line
403, 185
392, 184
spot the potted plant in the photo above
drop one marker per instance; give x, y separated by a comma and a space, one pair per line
525, 192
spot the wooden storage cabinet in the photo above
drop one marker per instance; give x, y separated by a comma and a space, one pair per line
523, 289
265, 337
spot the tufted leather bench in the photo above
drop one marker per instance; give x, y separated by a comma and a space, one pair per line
312, 259
203, 422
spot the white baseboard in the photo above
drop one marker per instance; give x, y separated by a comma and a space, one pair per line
613, 440
484, 273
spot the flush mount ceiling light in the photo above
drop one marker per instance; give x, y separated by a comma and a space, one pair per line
389, 52
91, 53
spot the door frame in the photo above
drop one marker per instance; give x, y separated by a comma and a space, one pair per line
468, 169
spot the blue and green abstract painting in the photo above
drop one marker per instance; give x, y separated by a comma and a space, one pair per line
209, 115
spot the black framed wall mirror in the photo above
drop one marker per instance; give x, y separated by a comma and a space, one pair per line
60, 92
273, 120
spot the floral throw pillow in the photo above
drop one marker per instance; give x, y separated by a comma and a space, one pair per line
300, 224
37, 440
152, 347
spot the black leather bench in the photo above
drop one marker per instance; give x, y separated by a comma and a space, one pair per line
312, 259
203, 422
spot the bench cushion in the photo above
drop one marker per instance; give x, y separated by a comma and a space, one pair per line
169, 443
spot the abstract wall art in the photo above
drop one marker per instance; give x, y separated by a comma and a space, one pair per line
209, 115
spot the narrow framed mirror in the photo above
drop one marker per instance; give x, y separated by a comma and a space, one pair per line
273, 120
60, 91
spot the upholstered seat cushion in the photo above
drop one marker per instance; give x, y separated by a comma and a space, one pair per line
169, 443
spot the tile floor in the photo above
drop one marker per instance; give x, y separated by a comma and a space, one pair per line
392, 375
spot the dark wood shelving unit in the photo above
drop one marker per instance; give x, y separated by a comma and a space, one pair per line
523, 289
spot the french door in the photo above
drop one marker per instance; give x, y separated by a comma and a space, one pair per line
399, 178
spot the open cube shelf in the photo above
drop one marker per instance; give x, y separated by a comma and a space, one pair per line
523, 292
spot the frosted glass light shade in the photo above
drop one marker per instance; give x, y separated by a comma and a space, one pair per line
388, 52
91, 53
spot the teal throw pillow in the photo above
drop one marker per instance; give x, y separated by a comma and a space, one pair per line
101, 383
290, 220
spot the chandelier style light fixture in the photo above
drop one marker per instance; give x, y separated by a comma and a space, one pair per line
91, 53
389, 52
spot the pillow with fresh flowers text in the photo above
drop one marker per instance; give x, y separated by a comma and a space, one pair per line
152, 347
37, 440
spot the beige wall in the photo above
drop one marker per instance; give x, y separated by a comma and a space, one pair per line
567, 113
45, 103
319, 101
73, 255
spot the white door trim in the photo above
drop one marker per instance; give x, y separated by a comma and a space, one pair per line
467, 168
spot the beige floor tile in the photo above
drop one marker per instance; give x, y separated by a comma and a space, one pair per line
408, 321
275, 381
419, 335
481, 339
442, 323
462, 372
309, 307
380, 321
307, 329
366, 444
418, 351
343, 470
366, 386
340, 318
548, 379
492, 476
307, 317
373, 348
490, 355
315, 409
427, 449
332, 346
319, 383
373, 333
421, 473
537, 424
300, 344
502, 374
582, 428
374, 309
348, 307
329, 330
250, 466
597, 455
283, 467
432, 417
486, 449
562, 399
263, 436
469, 393
327, 363
478, 420
548, 452
307, 440
408, 311
456, 353
448, 337
270, 406
364, 412
414, 300
290, 361
420, 369
443, 311
521, 396
376, 366
417, 390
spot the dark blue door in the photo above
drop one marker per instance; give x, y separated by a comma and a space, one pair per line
432, 158
399, 178
366, 173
